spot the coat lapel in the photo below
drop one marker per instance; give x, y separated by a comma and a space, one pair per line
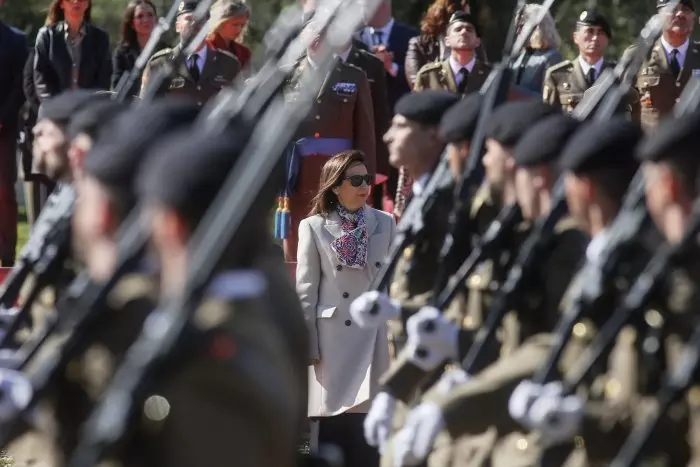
692, 60
332, 225
476, 77
330, 77
449, 76
209, 64
370, 220
579, 79
182, 68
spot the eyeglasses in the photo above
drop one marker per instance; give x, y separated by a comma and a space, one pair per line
356, 180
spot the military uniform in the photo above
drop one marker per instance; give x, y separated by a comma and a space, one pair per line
219, 71
565, 84
439, 75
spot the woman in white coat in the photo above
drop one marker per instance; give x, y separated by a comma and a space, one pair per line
341, 247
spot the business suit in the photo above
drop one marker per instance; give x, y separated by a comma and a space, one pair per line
53, 65
351, 358
439, 75
13, 56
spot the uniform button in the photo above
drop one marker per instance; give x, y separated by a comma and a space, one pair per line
339, 268
318, 101
346, 295
345, 100
318, 117
348, 322
521, 444
199, 88
378, 264
678, 85
317, 135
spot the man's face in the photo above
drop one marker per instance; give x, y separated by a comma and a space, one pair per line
498, 162
577, 197
679, 21
527, 186
49, 150
457, 154
77, 150
658, 181
591, 40
312, 37
185, 25
408, 142
91, 220
461, 36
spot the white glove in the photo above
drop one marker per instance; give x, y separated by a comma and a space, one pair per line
377, 424
361, 309
557, 418
451, 379
413, 443
522, 399
431, 339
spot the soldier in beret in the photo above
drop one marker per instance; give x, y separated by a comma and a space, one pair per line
463, 72
201, 75
565, 83
674, 59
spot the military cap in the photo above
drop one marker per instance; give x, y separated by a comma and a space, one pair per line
509, 122
426, 107
674, 138
61, 108
594, 18
459, 122
662, 3
174, 178
116, 157
544, 142
463, 17
602, 145
187, 6
94, 117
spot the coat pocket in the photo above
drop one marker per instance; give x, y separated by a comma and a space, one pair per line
325, 311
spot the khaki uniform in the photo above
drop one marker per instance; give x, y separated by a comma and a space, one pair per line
658, 90
439, 75
219, 70
564, 84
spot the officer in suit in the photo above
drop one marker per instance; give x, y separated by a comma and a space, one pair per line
463, 72
342, 118
674, 59
12, 59
565, 83
201, 75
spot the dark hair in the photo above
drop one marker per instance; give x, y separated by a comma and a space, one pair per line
613, 182
434, 22
128, 37
332, 175
685, 169
56, 15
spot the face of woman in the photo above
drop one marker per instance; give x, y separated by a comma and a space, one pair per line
231, 29
74, 8
144, 20
355, 188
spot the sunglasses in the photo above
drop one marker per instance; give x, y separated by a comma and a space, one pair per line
356, 180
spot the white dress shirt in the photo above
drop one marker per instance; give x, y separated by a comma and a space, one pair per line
370, 39
682, 51
585, 66
456, 67
419, 184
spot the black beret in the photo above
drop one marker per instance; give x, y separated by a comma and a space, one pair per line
425, 107
602, 145
187, 6
544, 142
174, 178
662, 3
463, 17
61, 108
674, 138
511, 120
594, 18
459, 122
116, 157
94, 117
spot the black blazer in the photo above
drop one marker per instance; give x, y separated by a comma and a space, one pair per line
13, 56
123, 61
52, 63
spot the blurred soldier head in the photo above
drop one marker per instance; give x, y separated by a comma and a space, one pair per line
185, 21
598, 164
536, 157
50, 148
671, 168
107, 191
414, 136
678, 21
506, 126
462, 32
592, 35
457, 128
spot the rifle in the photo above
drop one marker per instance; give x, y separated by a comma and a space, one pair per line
218, 229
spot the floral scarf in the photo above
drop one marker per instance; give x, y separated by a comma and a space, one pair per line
351, 246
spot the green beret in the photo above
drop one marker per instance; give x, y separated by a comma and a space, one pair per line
426, 107
509, 122
544, 142
459, 122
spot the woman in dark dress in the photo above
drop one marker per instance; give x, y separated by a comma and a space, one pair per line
139, 20
70, 52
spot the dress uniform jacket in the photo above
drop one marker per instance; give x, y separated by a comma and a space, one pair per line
352, 359
564, 84
439, 75
658, 90
219, 70
343, 111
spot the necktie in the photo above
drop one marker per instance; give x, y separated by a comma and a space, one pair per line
194, 68
378, 36
675, 66
590, 77
463, 79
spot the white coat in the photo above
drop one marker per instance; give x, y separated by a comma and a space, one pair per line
352, 359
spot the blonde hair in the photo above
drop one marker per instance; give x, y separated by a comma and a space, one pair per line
545, 35
223, 10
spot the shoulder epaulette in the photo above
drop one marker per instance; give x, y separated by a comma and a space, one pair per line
226, 52
353, 67
430, 67
560, 66
132, 287
160, 53
566, 224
